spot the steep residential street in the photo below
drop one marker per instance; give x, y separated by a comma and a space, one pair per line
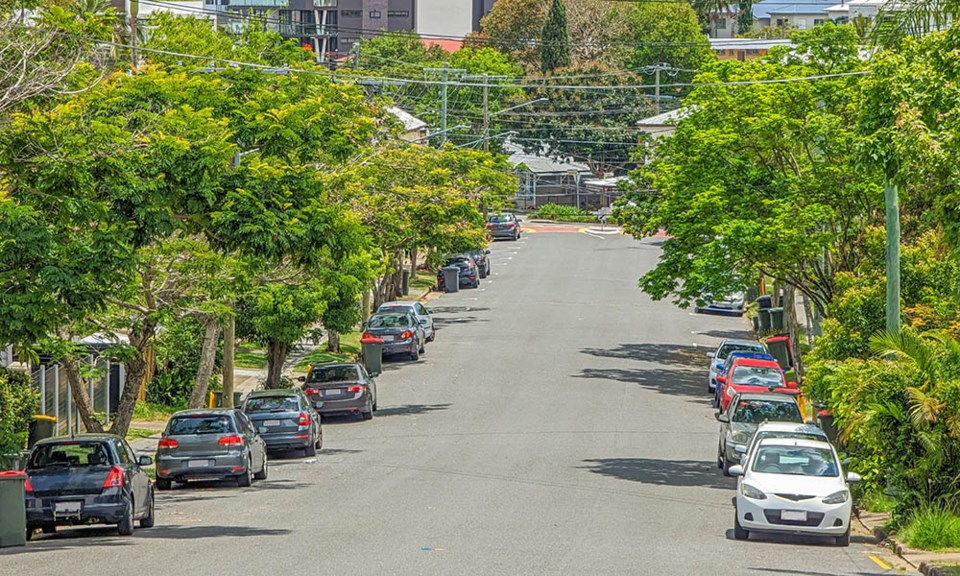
558, 425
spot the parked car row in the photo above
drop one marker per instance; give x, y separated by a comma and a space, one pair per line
789, 476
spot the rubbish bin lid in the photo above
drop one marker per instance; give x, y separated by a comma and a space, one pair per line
44, 417
13, 475
371, 340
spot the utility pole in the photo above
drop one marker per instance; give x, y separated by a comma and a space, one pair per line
229, 343
656, 93
444, 76
485, 78
892, 202
133, 6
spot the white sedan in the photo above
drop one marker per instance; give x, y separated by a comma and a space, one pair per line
793, 486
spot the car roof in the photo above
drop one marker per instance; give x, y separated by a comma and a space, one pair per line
334, 365
756, 363
772, 396
798, 442
78, 438
749, 354
789, 427
271, 393
204, 411
391, 313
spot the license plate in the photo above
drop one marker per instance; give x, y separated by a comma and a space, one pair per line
793, 515
333, 392
67, 508
198, 463
388, 338
271, 423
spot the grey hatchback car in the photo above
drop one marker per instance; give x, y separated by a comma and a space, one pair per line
285, 419
400, 330
341, 387
211, 443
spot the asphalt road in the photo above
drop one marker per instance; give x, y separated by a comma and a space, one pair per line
558, 425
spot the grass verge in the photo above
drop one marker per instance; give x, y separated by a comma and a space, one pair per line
423, 280
138, 433
932, 529
349, 346
250, 359
152, 411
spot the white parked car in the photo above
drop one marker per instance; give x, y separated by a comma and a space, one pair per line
416, 308
793, 486
781, 430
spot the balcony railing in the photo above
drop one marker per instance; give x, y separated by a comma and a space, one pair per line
261, 3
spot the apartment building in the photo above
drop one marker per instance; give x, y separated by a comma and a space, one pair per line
450, 18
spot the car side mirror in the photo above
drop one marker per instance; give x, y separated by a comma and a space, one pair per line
853, 478
301, 378
721, 379
711, 354
721, 417
736, 470
740, 449
145, 461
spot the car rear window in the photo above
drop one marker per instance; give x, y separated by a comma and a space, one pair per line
500, 218
400, 309
272, 404
726, 349
392, 321
70, 454
796, 460
756, 411
333, 374
201, 424
758, 376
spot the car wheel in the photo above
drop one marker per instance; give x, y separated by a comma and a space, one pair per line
726, 463
415, 354
310, 450
48, 529
367, 415
719, 456
163, 483
264, 470
845, 539
738, 532
433, 335
147, 521
30, 531
423, 348
246, 479
318, 445
125, 526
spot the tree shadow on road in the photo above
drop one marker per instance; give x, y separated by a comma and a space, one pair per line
457, 320
737, 334
411, 409
670, 354
662, 472
666, 381
456, 309
192, 532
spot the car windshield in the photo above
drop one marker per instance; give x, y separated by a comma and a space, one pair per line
757, 376
69, 454
391, 321
756, 411
726, 349
500, 218
272, 404
454, 260
202, 424
796, 460
333, 374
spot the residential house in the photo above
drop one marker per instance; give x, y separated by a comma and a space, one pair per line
545, 180
853, 10
744, 48
799, 16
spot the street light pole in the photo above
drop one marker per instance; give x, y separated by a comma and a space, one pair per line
892, 203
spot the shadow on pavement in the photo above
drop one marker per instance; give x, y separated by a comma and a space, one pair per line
662, 472
738, 334
457, 320
799, 540
671, 354
191, 532
410, 409
456, 309
678, 382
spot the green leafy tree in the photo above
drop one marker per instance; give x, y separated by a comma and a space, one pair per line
555, 43
667, 33
19, 401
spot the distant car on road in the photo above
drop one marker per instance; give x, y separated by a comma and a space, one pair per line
731, 304
718, 357
418, 310
87, 479
469, 275
482, 259
793, 486
401, 333
752, 375
207, 444
742, 417
285, 419
341, 387
503, 225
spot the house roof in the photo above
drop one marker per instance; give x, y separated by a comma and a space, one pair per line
666, 118
410, 122
765, 9
747, 43
447, 44
542, 164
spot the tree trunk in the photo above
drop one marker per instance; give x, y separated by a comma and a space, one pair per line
80, 395
276, 356
229, 358
139, 370
414, 263
208, 357
333, 341
365, 312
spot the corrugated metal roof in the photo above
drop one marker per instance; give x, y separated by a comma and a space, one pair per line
410, 122
765, 9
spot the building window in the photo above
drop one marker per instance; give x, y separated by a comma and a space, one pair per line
721, 23
351, 14
802, 23
398, 13
818, 21
374, 14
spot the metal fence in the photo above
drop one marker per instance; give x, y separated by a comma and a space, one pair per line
56, 398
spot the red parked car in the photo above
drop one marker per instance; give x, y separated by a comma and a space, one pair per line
752, 375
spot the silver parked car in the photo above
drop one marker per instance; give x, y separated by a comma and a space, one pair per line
286, 419
418, 310
400, 331
210, 443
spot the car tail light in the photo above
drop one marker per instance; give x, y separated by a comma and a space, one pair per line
312, 391
233, 440
304, 419
301, 436
27, 486
510, 224
489, 224
168, 443
406, 334
469, 265
115, 478
356, 389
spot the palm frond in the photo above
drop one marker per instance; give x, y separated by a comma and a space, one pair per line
924, 408
909, 347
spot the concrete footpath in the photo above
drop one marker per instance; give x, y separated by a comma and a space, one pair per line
922, 560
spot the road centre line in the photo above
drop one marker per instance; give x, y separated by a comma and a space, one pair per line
881, 563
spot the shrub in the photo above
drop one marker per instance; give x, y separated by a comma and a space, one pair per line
562, 213
932, 529
19, 401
